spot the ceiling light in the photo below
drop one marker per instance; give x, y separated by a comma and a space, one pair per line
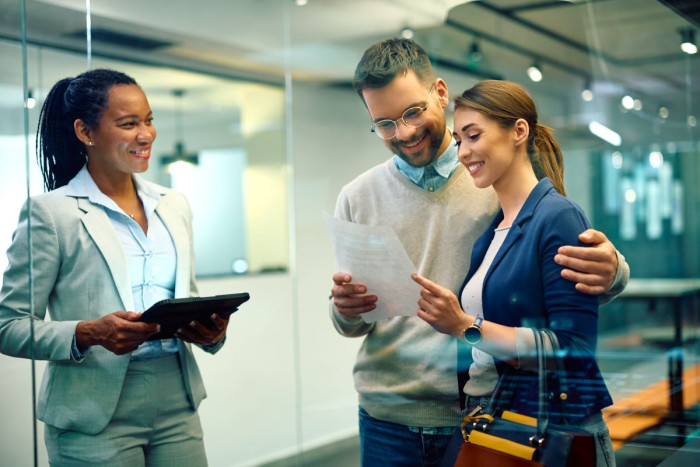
587, 93
663, 112
688, 41
692, 121
617, 160
300, 2
656, 159
31, 102
535, 73
179, 155
475, 52
605, 133
407, 33
628, 102
637, 104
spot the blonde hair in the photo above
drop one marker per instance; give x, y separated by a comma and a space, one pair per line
506, 102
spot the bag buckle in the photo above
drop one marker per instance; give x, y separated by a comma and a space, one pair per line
536, 442
475, 411
472, 418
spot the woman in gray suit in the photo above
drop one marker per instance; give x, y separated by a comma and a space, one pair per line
102, 242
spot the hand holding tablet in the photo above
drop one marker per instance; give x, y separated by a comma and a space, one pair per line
175, 313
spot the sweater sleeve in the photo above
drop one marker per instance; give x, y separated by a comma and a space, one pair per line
622, 277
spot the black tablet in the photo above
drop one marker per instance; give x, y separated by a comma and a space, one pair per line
175, 313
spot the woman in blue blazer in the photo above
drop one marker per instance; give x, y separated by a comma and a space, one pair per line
100, 243
514, 284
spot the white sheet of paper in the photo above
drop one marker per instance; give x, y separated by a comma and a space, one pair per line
375, 257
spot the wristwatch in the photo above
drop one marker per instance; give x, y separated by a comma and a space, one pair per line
473, 333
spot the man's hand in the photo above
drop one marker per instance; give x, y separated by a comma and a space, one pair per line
349, 297
593, 269
118, 332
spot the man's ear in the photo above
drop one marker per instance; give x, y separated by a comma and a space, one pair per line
442, 92
521, 131
82, 132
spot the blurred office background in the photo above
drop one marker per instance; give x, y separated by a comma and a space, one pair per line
259, 126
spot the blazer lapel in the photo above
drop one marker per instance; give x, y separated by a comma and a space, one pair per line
102, 233
516, 230
514, 234
180, 235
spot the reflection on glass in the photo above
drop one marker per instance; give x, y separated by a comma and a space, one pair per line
654, 228
628, 221
612, 165
666, 190
677, 215
640, 185
248, 118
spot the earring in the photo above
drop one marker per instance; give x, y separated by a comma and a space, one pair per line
90, 143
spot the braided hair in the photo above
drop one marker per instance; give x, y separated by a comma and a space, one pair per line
60, 153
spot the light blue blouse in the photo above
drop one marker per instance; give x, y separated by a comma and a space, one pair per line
151, 259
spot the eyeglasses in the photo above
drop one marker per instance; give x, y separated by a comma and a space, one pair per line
413, 117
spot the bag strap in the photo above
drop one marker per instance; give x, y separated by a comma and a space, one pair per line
504, 391
563, 386
543, 407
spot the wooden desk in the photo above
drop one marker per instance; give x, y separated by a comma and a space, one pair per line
682, 294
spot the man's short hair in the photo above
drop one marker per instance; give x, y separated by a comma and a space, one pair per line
385, 60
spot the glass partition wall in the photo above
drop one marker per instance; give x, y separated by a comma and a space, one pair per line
258, 125
221, 141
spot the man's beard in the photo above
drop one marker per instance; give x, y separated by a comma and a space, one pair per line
433, 148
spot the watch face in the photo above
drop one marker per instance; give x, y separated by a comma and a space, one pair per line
472, 334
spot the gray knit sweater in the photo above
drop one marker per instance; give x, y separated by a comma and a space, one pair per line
406, 372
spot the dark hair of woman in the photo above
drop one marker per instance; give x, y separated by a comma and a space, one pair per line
506, 102
60, 153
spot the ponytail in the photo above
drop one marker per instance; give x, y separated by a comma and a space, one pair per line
60, 153
546, 157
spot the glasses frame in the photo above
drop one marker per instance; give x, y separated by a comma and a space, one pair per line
423, 108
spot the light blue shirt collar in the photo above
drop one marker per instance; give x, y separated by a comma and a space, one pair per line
83, 186
444, 167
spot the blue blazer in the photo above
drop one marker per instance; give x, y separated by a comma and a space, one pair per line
523, 287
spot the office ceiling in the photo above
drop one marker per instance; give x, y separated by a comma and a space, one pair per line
621, 46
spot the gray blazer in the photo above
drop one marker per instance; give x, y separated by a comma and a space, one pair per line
80, 273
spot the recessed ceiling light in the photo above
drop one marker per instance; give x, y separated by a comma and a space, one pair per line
628, 102
688, 41
535, 73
